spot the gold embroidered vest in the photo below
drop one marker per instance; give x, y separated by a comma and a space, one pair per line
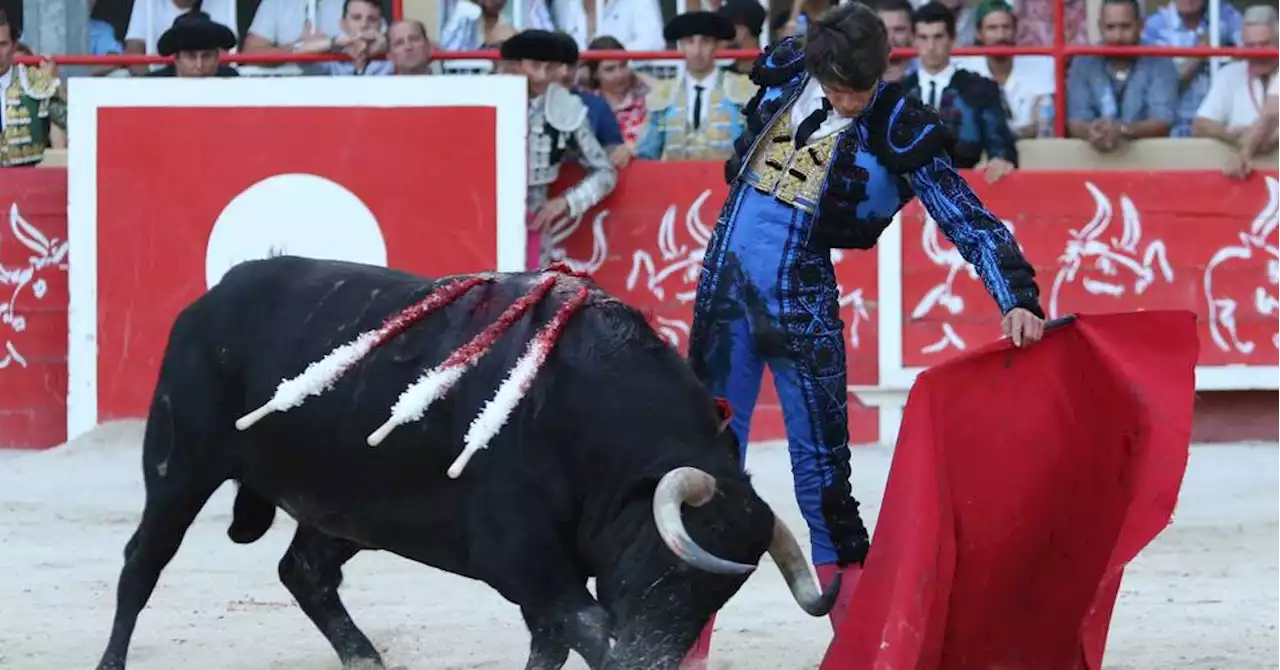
790, 175
27, 110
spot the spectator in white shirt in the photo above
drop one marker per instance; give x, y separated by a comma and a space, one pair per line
1025, 81
281, 25
635, 23
1240, 89
361, 38
472, 26
151, 18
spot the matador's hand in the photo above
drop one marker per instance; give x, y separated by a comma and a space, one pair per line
1023, 327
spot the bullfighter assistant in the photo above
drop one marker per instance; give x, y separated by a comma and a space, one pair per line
558, 124
830, 154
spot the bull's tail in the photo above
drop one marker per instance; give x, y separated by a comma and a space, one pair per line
251, 516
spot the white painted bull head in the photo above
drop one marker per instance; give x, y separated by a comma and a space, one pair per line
564, 228
1259, 240
943, 294
681, 265
1116, 264
682, 262
47, 253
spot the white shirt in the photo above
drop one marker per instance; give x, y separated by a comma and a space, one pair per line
1030, 78
1235, 98
635, 23
150, 18
280, 21
708, 85
941, 80
809, 101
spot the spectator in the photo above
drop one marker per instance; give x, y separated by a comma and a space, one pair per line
1185, 23
557, 123
635, 23
970, 104
33, 116
747, 17
966, 32
196, 43
102, 36
599, 114
896, 15
150, 18
802, 12
622, 88
361, 38
409, 49
281, 25
1026, 81
1036, 25
103, 42
1240, 89
1112, 100
472, 26
697, 115
1260, 136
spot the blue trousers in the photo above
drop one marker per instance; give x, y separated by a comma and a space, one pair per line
766, 296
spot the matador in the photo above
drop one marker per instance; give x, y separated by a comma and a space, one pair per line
830, 154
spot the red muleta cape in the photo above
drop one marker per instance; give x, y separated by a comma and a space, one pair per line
1022, 483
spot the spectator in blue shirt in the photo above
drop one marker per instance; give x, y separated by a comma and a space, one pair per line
102, 42
1185, 23
1112, 100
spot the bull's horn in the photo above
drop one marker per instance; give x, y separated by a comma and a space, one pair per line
695, 487
791, 561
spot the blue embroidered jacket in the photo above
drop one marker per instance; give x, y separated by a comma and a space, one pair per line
973, 108
896, 149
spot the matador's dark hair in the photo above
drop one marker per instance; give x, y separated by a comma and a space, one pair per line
847, 46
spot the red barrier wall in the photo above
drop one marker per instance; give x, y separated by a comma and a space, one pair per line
1100, 242
33, 308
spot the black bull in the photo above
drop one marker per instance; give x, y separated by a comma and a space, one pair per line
587, 479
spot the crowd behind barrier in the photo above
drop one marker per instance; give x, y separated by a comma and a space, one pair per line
1191, 68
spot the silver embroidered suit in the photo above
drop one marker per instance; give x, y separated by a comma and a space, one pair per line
558, 122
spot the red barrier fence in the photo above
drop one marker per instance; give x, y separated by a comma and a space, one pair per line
1100, 242
33, 308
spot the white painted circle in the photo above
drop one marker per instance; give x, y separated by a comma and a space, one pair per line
296, 215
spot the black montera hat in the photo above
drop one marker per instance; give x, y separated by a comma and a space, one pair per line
195, 31
540, 45
700, 22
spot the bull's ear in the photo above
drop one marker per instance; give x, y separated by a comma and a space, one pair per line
725, 411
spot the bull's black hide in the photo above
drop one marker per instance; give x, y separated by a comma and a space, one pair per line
613, 434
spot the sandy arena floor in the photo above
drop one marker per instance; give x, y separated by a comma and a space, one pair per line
1202, 596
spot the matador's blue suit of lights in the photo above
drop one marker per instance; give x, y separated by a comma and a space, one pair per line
767, 293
